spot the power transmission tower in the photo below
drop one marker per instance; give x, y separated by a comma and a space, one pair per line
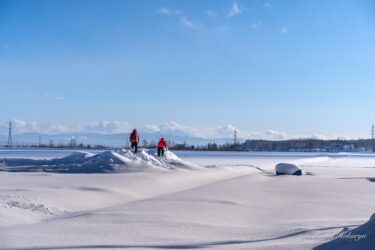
373, 137
235, 137
10, 142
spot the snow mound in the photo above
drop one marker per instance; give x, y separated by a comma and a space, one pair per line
172, 160
76, 158
288, 169
106, 162
362, 237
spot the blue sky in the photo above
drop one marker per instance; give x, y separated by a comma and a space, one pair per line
300, 67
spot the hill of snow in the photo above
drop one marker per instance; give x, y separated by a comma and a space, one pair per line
106, 162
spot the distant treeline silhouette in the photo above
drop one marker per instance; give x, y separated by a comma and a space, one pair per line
296, 145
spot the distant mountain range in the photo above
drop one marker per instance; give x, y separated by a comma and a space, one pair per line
112, 140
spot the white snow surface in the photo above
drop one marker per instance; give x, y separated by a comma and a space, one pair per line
229, 201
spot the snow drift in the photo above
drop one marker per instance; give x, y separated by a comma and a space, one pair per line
106, 162
288, 168
362, 237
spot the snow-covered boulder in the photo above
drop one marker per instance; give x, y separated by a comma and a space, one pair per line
288, 169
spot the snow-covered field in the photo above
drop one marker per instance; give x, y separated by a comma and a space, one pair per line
192, 200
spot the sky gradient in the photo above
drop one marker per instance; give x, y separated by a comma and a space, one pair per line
300, 67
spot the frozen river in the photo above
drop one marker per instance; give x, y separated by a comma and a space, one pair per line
208, 158
238, 204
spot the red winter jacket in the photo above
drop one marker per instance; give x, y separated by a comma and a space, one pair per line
134, 137
162, 143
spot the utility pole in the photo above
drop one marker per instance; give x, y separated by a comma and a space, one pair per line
10, 142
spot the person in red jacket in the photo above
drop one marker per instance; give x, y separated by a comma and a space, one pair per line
134, 139
162, 145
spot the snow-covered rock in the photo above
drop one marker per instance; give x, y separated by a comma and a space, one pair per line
106, 162
288, 169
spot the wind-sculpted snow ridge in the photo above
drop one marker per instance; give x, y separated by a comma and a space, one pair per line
362, 237
31, 204
106, 162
